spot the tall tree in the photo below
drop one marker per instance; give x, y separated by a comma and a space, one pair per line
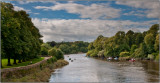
149, 41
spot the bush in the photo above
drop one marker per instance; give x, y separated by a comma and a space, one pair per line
59, 54
124, 54
53, 59
101, 53
52, 52
95, 53
89, 52
44, 51
150, 56
157, 57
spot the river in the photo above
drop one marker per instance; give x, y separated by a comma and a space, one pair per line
85, 69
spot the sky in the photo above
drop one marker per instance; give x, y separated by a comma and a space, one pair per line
86, 20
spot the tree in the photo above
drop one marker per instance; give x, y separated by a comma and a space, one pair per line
141, 52
138, 38
90, 46
52, 52
21, 39
133, 48
149, 41
130, 37
44, 51
153, 30
156, 45
59, 54
52, 43
124, 54
65, 48
101, 53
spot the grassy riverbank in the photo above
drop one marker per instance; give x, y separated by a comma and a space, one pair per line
40, 74
4, 62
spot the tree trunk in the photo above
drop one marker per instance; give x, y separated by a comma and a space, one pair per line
9, 62
23, 60
1, 64
19, 61
14, 61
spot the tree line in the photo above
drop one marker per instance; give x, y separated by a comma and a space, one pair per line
65, 47
130, 44
20, 39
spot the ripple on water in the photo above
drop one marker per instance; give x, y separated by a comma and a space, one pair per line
85, 69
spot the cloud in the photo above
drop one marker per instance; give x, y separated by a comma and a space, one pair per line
135, 13
93, 11
33, 1
153, 7
17, 8
85, 30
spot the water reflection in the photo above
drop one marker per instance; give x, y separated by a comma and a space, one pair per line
84, 69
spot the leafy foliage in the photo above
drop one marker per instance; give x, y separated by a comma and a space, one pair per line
131, 44
21, 39
124, 54
71, 47
57, 53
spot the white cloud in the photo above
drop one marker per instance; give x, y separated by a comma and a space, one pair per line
153, 7
17, 8
135, 13
85, 30
93, 11
33, 1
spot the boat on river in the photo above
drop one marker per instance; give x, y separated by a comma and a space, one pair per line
132, 60
116, 58
109, 58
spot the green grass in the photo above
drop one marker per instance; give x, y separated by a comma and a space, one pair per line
5, 61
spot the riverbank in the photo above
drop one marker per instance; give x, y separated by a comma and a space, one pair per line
75, 53
38, 74
125, 59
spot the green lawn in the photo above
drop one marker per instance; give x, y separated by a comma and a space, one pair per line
5, 61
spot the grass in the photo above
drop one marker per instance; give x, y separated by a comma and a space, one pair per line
5, 61
35, 74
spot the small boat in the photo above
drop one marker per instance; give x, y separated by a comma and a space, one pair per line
115, 58
110, 58
132, 60
74, 59
69, 58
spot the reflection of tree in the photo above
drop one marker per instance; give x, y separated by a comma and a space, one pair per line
152, 70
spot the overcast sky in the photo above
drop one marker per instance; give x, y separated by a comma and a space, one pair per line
85, 20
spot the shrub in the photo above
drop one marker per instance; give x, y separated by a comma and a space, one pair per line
44, 51
101, 53
124, 54
150, 56
59, 54
95, 53
41, 66
52, 52
89, 52
53, 59
157, 57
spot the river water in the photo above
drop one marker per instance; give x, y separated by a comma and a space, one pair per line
85, 69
